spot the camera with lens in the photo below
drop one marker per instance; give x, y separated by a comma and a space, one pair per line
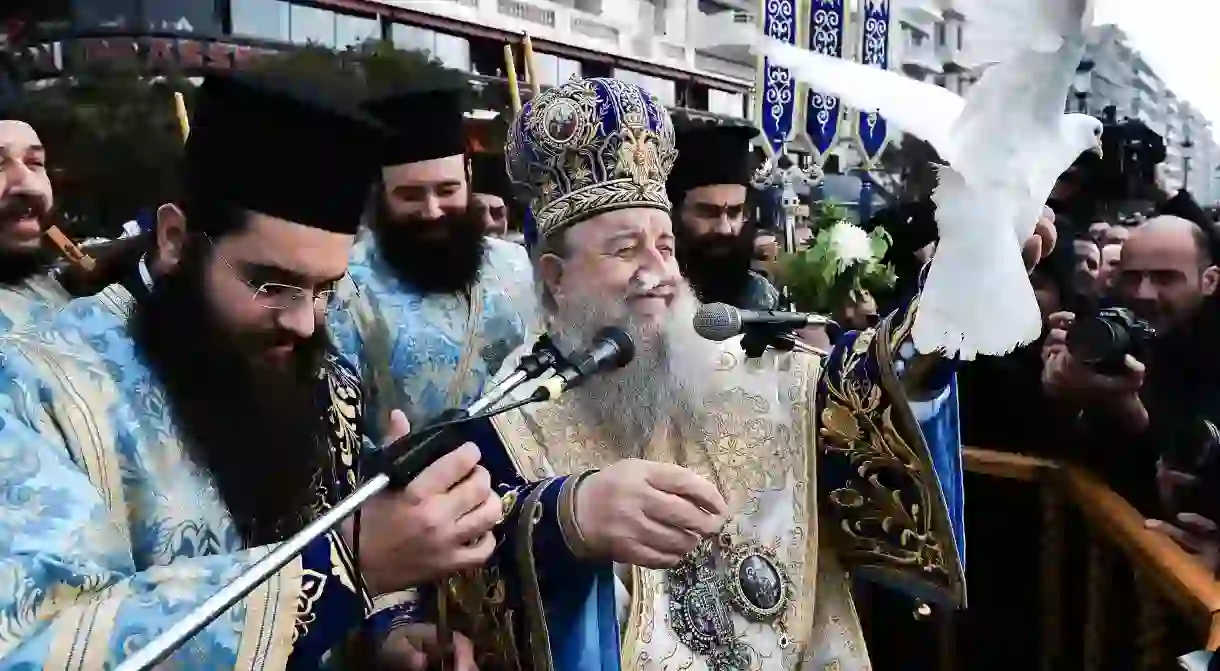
1103, 340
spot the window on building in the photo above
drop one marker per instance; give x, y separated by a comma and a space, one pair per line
597, 69
451, 50
353, 31
960, 42
554, 70
106, 14
664, 89
413, 38
265, 19
652, 13
696, 97
726, 103
940, 33
487, 58
311, 25
184, 16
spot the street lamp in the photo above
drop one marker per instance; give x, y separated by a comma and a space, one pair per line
1187, 145
1084, 83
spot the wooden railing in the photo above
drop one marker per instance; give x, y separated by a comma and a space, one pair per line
1165, 574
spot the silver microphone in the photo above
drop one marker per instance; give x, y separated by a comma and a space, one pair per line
720, 321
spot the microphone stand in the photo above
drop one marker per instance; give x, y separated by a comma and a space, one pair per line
401, 462
757, 338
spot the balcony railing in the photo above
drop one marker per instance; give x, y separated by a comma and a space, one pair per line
1170, 583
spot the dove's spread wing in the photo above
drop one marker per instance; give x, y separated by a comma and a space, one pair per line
998, 28
1015, 109
924, 110
1005, 121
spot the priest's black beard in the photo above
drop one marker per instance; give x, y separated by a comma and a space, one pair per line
438, 256
18, 265
258, 431
717, 265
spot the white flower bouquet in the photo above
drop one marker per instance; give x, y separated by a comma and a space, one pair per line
839, 264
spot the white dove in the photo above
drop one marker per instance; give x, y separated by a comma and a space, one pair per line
1005, 145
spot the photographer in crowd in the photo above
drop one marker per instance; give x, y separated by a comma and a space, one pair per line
1140, 379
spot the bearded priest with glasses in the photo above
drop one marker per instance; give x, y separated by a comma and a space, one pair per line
152, 450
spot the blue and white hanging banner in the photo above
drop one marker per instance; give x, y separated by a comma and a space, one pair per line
872, 130
823, 116
775, 112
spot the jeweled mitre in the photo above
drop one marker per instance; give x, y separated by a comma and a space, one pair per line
590, 146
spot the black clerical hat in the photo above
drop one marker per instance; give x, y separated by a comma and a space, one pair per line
489, 175
711, 154
427, 124
273, 148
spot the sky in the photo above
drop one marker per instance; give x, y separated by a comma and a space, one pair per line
1178, 39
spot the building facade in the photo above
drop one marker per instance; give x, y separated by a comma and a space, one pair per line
649, 42
637, 40
1122, 78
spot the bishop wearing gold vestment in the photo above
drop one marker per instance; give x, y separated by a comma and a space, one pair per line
735, 497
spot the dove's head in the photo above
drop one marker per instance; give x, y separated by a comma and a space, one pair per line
1084, 132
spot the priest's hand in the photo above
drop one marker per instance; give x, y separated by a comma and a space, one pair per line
414, 647
646, 513
439, 524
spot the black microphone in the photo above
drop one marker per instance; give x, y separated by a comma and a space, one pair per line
543, 357
720, 321
612, 348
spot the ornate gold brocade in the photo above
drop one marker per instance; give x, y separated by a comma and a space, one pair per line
343, 404
754, 444
477, 606
313, 583
889, 508
589, 146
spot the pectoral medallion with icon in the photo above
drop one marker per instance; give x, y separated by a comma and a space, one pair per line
719, 577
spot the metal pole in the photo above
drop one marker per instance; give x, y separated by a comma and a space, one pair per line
864, 208
164, 645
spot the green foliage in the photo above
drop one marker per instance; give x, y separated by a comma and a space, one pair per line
113, 138
113, 145
372, 69
826, 213
820, 278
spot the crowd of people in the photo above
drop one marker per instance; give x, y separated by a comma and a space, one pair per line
334, 275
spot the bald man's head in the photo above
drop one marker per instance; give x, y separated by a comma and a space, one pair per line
1176, 230
1165, 271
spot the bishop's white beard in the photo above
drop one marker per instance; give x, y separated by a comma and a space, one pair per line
662, 389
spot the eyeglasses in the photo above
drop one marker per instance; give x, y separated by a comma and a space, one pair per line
276, 296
